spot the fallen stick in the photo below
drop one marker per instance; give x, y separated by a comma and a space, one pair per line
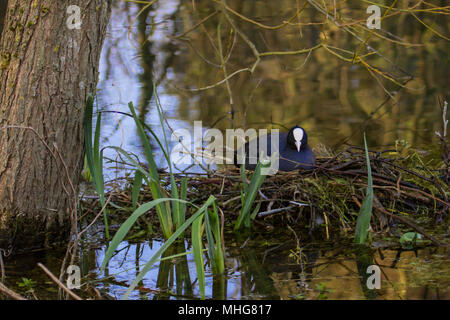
267, 213
10, 293
59, 283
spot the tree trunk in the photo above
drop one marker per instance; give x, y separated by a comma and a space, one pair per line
3, 5
46, 72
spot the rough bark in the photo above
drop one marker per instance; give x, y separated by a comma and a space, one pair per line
46, 72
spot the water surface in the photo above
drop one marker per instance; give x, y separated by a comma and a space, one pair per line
335, 101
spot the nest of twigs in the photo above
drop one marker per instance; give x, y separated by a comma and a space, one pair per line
408, 191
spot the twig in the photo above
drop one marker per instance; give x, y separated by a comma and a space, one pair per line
379, 207
197, 25
59, 283
2, 266
260, 24
10, 293
267, 213
225, 73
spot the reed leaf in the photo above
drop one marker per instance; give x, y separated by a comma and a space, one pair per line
214, 237
197, 249
126, 226
365, 213
155, 188
94, 156
167, 244
165, 223
250, 194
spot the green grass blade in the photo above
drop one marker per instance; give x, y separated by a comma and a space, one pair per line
153, 169
175, 205
176, 213
365, 213
167, 244
97, 163
164, 214
91, 152
183, 196
88, 132
197, 249
161, 121
155, 187
182, 206
244, 177
166, 224
214, 237
250, 195
255, 211
94, 157
126, 226
154, 135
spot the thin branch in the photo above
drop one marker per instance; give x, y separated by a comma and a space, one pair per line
196, 25
59, 283
260, 24
10, 293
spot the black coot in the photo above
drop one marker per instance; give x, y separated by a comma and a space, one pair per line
294, 151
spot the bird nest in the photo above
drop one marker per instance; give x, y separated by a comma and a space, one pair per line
410, 189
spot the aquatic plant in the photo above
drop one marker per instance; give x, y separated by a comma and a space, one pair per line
94, 156
365, 213
171, 208
249, 192
168, 192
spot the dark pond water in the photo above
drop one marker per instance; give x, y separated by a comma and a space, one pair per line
267, 266
334, 100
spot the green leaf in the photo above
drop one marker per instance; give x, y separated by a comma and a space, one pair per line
214, 237
155, 187
126, 226
167, 244
250, 194
182, 206
164, 218
94, 156
365, 213
411, 240
255, 211
197, 248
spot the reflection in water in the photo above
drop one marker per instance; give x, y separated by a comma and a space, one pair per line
147, 58
166, 275
364, 259
280, 271
273, 268
333, 99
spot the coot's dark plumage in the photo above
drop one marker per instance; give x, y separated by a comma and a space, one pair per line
294, 151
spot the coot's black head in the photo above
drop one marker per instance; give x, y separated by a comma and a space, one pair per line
297, 138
